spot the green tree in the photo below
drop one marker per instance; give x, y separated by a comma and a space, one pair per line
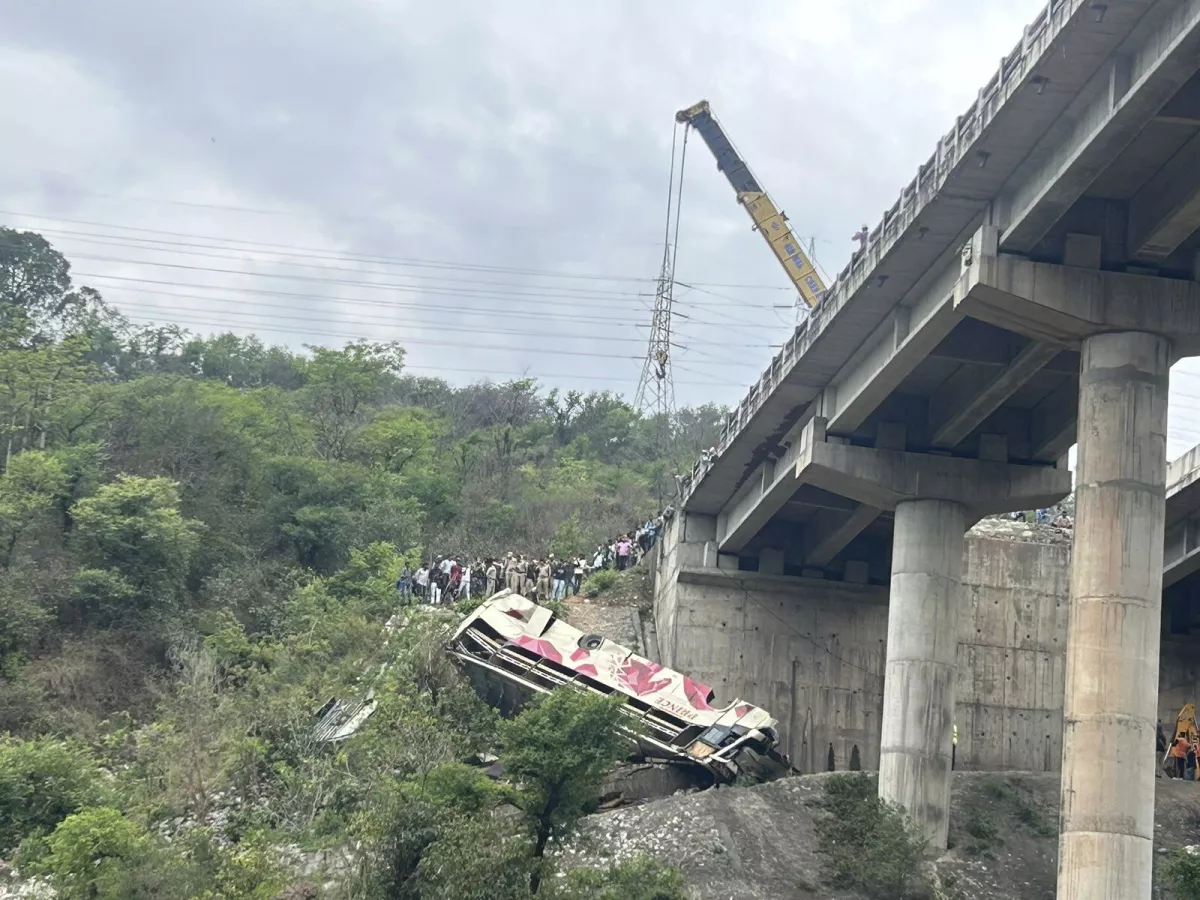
243, 362
369, 578
29, 488
34, 277
558, 750
341, 387
36, 377
569, 540
83, 465
321, 510
401, 439
132, 527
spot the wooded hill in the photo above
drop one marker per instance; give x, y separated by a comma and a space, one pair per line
199, 538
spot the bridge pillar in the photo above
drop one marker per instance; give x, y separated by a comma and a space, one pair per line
922, 650
1106, 842
935, 498
1129, 327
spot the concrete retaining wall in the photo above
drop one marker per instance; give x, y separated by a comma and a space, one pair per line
812, 652
1011, 654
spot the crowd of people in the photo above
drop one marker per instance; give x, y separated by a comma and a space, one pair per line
448, 579
1055, 515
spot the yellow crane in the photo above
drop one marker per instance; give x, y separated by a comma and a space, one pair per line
768, 220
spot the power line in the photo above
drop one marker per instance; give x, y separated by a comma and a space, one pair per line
374, 285
376, 258
234, 255
150, 308
506, 312
547, 297
473, 347
267, 328
489, 312
341, 216
538, 334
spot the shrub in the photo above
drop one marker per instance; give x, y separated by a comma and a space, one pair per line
984, 833
1181, 873
639, 878
467, 606
42, 782
90, 852
99, 854
869, 844
981, 827
475, 859
598, 582
22, 701
996, 789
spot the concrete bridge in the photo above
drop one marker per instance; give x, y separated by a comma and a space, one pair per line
1029, 290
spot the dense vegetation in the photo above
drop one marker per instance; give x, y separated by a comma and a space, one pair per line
199, 539
868, 844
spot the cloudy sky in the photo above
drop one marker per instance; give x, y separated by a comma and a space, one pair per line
485, 182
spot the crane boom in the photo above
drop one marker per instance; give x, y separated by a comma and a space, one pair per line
768, 220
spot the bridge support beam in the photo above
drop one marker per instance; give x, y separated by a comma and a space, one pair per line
1107, 838
922, 651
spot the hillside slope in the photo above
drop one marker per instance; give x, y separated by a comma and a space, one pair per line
758, 842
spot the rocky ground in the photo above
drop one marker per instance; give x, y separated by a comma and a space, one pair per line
758, 842
1005, 528
617, 623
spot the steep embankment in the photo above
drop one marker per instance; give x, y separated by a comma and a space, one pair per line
758, 842
621, 612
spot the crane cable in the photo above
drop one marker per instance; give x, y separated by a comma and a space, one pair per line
671, 246
678, 203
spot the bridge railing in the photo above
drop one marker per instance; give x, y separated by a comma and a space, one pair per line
931, 176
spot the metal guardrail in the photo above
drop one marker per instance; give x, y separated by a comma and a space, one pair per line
930, 178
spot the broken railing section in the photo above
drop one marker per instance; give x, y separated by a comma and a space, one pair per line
513, 649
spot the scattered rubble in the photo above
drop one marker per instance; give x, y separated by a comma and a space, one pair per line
1005, 528
746, 843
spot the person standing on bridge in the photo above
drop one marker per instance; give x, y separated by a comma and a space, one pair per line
862, 237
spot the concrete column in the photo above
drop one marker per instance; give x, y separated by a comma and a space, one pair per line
1106, 843
922, 651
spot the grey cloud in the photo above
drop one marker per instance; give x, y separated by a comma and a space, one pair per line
527, 134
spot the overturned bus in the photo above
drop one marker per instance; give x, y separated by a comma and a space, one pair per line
512, 649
